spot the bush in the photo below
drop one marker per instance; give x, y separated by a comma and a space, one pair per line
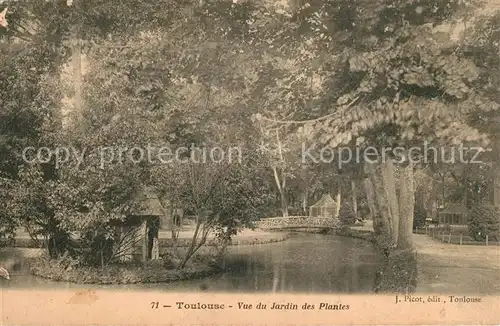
98, 246
347, 215
59, 243
419, 216
295, 211
398, 273
485, 220
66, 270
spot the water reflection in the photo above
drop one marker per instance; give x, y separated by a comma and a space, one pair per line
303, 263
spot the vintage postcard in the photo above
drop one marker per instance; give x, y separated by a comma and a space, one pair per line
249, 162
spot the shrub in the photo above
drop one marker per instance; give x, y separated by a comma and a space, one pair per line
295, 211
419, 216
98, 246
59, 243
484, 220
347, 215
398, 273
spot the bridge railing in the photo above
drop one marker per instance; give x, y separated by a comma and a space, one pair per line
298, 222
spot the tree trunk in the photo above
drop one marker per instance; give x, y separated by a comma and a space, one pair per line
304, 202
496, 183
443, 190
420, 207
354, 197
280, 184
173, 217
496, 173
284, 203
193, 244
465, 197
392, 200
144, 241
338, 199
76, 61
431, 206
370, 197
406, 204
381, 220
174, 236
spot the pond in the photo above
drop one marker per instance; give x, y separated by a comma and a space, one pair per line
303, 263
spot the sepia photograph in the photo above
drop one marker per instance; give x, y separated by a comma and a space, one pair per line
211, 157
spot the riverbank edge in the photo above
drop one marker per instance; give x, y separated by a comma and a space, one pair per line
398, 273
130, 274
118, 274
167, 243
347, 231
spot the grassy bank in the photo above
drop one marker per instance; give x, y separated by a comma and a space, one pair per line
202, 263
126, 273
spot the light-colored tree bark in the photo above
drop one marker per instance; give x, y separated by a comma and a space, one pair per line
420, 200
199, 237
338, 199
465, 198
389, 183
354, 196
304, 202
496, 173
382, 224
431, 206
283, 194
406, 204
144, 241
370, 196
76, 63
278, 166
281, 184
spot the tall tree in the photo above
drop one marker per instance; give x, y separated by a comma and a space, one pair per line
409, 84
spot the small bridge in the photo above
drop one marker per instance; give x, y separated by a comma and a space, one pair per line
298, 222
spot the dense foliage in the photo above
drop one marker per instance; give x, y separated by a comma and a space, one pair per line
347, 215
257, 76
484, 220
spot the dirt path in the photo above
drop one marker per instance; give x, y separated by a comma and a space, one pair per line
458, 269
455, 269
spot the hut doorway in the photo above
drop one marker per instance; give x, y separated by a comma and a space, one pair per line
153, 228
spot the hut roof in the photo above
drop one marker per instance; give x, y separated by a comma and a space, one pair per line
325, 201
454, 208
149, 203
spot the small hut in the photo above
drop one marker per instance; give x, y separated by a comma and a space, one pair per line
140, 230
453, 213
325, 207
